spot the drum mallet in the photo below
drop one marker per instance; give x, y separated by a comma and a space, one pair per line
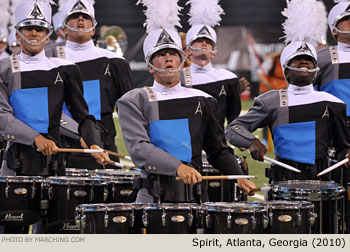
115, 163
333, 167
80, 150
225, 177
273, 161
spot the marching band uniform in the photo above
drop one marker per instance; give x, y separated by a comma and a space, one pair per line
106, 78
164, 127
32, 91
222, 84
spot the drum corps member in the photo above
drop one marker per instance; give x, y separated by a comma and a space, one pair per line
166, 126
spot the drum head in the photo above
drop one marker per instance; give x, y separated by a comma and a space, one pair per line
74, 172
21, 179
75, 180
171, 206
237, 207
118, 172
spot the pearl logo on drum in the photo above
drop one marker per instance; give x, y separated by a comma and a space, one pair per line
68, 226
10, 217
119, 219
177, 218
241, 221
20, 191
284, 218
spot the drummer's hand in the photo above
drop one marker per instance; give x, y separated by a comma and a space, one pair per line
244, 84
188, 174
247, 186
348, 163
45, 146
257, 150
102, 157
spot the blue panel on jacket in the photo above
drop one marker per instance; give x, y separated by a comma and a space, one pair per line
296, 142
340, 89
31, 107
92, 97
172, 136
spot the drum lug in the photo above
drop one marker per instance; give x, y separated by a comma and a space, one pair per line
83, 222
92, 194
132, 221
7, 189
77, 220
145, 219
208, 220
68, 192
271, 219
312, 217
164, 218
190, 219
298, 219
106, 219
229, 220
105, 194
253, 222
113, 190
265, 221
33, 190
50, 192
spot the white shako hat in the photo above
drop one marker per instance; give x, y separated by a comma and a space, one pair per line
33, 13
161, 19
12, 38
70, 7
57, 21
338, 12
303, 27
204, 15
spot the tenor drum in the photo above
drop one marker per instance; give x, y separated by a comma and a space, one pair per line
20, 200
327, 197
115, 218
234, 218
289, 217
65, 194
170, 218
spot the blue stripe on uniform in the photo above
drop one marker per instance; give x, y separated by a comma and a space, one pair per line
296, 142
172, 136
92, 97
31, 106
340, 89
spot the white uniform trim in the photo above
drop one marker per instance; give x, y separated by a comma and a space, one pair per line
208, 74
176, 92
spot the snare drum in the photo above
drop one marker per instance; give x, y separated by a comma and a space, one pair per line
20, 200
327, 197
65, 193
234, 218
116, 218
289, 217
170, 218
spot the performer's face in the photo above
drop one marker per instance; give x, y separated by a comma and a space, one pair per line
166, 59
82, 22
205, 44
301, 78
33, 34
343, 25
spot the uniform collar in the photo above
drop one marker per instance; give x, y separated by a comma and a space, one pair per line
32, 59
75, 46
198, 69
165, 90
344, 47
300, 90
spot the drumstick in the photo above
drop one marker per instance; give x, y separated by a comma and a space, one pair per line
117, 154
333, 167
79, 150
115, 163
224, 177
281, 164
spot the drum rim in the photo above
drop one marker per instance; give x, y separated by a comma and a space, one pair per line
282, 186
63, 180
170, 206
239, 207
22, 179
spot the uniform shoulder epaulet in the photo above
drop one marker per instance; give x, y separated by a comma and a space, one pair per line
61, 52
333, 50
187, 76
152, 97
283, 97
15, 66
